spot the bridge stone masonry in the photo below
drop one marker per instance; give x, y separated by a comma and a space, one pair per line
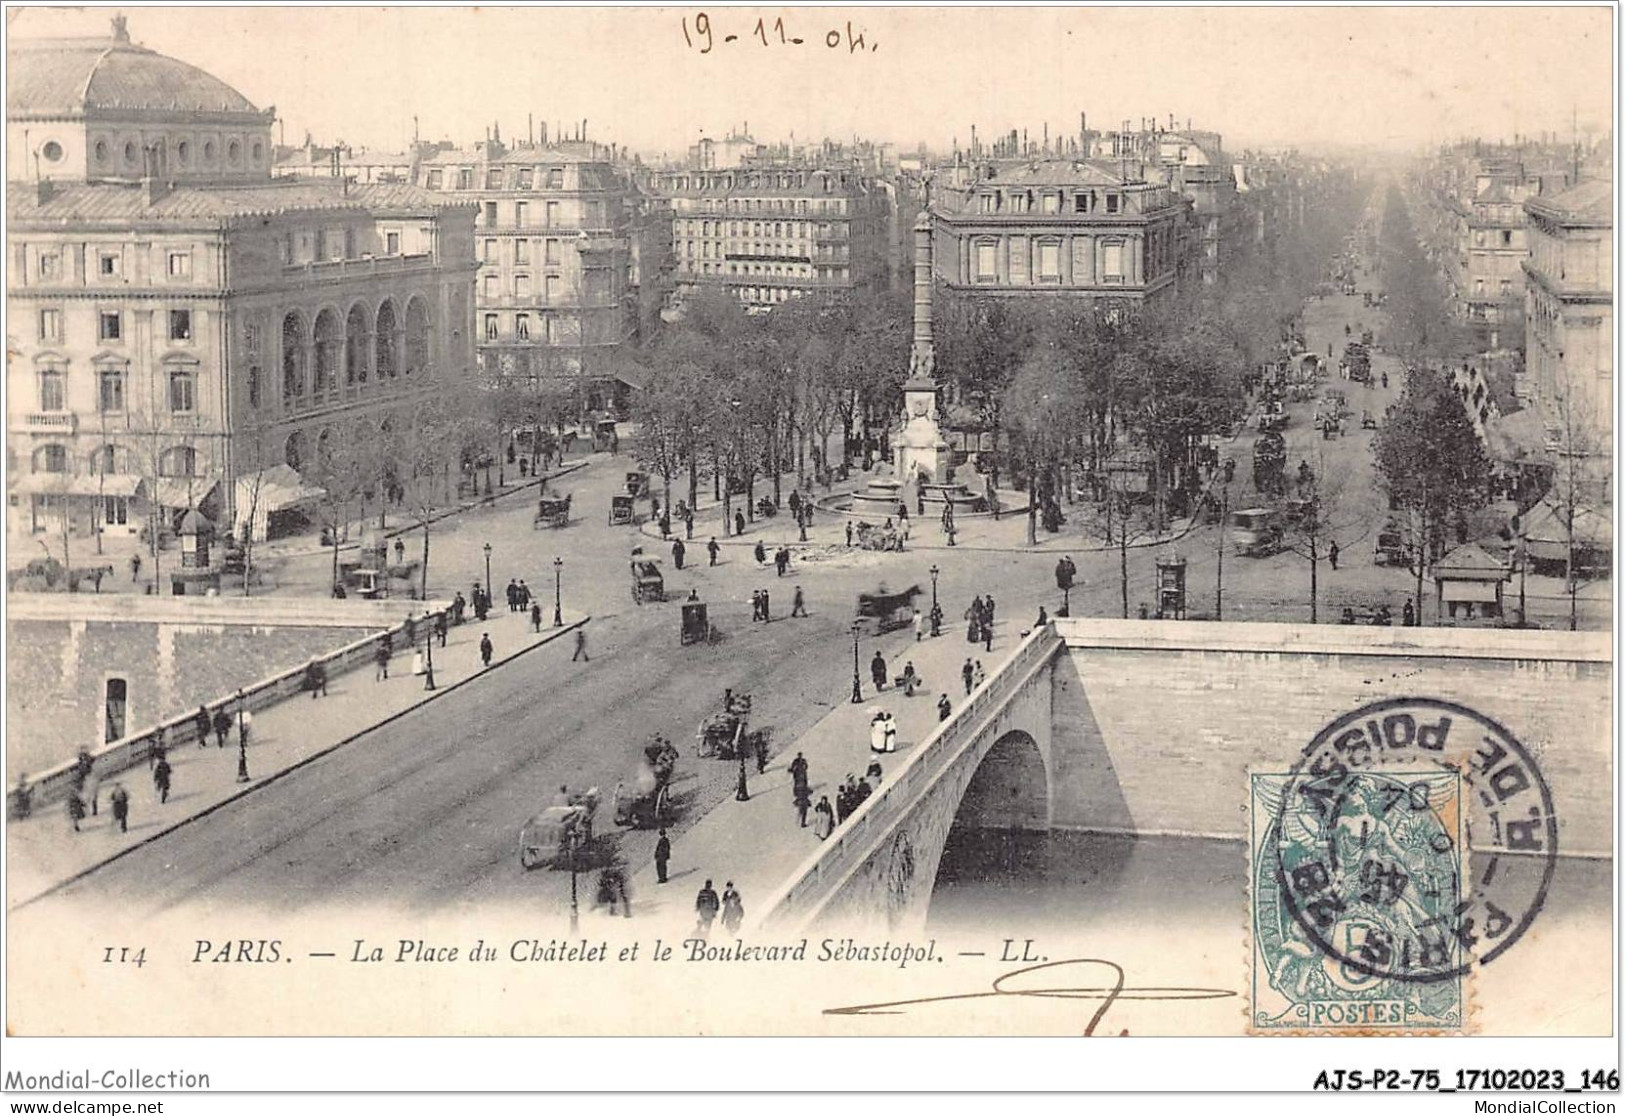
1150, 728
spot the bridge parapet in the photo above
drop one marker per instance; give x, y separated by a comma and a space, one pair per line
809, 890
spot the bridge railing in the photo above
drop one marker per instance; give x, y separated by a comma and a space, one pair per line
811, 884
132, 749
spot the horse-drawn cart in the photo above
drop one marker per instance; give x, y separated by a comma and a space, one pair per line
887, 611
647, 805
722, 734
552, 511
558, 832
648, 584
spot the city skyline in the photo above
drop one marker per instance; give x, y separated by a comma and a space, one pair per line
1394, 77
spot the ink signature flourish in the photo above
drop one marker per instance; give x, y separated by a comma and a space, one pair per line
1107, 995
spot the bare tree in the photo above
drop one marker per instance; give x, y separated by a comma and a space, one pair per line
1326, 514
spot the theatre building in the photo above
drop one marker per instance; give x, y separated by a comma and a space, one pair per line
182, 321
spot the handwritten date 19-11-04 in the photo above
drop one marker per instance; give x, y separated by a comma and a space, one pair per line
702, 34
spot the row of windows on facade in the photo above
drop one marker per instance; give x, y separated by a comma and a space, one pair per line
110, 326
1051, 202
792, 271
180, 152
48, 266
594, 215
551, 329
709, 249
333, 244
780, 230
552, 252
111, 460
1048, 258
762, 205
497, 178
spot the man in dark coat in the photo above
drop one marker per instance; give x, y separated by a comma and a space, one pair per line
761, 553
739, 523
161, 775
759, 739
798, 606
944, 707
968, 672
380, 658
662, 856
713, 549
222, 726
535, 616
798, 770
706, 905
203, 723
877, 670
678, 550
316, 678
121, 807
485, 648
440, 626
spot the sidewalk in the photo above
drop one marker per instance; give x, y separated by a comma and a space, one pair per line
757, 844
44, 853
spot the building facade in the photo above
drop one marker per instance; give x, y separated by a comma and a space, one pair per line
182, 320
569, 254
1569, 295
1072, 227
769, 233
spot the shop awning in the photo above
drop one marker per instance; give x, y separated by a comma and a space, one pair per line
185, 492
60, 484
272, 490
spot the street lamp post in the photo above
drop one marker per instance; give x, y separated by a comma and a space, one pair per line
558, 613
242, 740
428, 657
487, 569
857, 681
575, 902
934, 573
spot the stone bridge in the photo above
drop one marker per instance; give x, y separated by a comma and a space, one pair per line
1149, 728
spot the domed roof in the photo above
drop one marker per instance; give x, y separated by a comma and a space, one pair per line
68, 77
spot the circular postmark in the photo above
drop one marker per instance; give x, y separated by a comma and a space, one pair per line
1370, 843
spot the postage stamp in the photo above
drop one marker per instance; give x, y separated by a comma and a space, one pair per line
1365, 915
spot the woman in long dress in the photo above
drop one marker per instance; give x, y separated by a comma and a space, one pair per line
890, 736
877, 733
733, 909
823, 818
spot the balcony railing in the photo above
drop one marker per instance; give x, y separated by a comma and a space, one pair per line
56, 421
360, 266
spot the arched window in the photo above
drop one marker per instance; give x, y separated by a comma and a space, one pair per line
417, 337
178, 461
293, 450
386, 359
110, 459
329, 353
355, 345
51, 459
293, 358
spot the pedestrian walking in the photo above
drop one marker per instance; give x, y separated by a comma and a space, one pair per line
245, 722
1331, 554
161, 775
739, 523
911, 679
158, 751
121, 807
849, 533
733, 909
485, 648
795, 504
688, 521
380, 658
968, 673
706, 906
944, 707
823, 818
761, 553
440, 627
581, 646
798, 770
203, 723
767, 614
919, 625
987, 636
677, 552
781, 559
712, 549
135, 568
798, 604
76, 808
891, 733
980, 676
536, 617
875, 772
759, 743
481, 605
755, 605
877, 670
400, 551
513, 595
662, 856
665, 525
222, 727
459, 605
524, 595
1407, 618
316, 679
936, 621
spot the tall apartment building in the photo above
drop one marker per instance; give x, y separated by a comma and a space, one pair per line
1569, 299
569, 253
1063, 226
767, 233
180, 320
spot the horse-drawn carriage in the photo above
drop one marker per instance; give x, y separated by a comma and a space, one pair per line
559, 832
552, 511
647, 804
886, 611
648, 584
623, 511
722, 734
637, 485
